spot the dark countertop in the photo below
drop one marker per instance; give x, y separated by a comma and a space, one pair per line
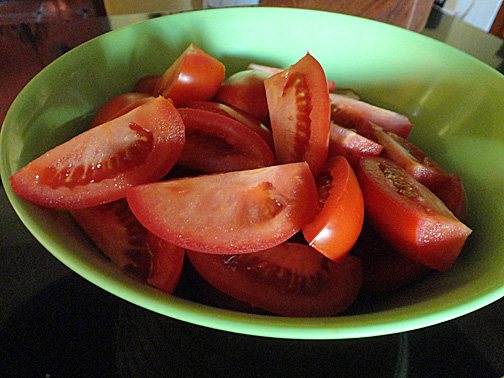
53, 323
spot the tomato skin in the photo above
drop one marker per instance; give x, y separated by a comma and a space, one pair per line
237, 114
337, 226
195, 75
325, 288
167, 264
356, 114
351, 145
245, 90
216, 143
234, 212
147, 85
112, 108
299, 108
408, 215
98, 165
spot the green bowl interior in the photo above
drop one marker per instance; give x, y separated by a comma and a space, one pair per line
455, 102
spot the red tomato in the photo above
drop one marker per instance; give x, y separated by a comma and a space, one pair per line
147, 84
352, 146
98, 165
237, 114
245, 90
112, 107
383, 268
290, 279
234, 212
300, 113
215, 143
331, 85
195, 75
167, 263
408, 215
338, 224
414, 161
451, 191
118, 234
356, 114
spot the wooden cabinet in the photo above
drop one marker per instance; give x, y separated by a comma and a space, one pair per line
408, 14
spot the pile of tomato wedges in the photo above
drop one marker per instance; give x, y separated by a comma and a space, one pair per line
282, 191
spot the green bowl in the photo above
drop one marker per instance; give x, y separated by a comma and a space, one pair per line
455, 101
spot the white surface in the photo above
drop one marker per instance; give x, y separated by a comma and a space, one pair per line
479, 13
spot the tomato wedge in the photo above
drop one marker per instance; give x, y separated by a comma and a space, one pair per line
113, 107
147, 84
98, 165
237, 114
195, 75
216, 143
351, 145
167, 264
234, 212
299, 108
451, 191
245, 90
414, 161
119, 236
408, 215
356, 114
338, 224
290, 279
383, 268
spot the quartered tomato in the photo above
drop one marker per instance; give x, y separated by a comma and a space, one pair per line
167, 263
408, 215
245, 90
147, 84
118, 234
331, 85
356, 114
351, 145
234, 212
195, 75
339, 221
451, 191
216, 143
414, 161
98, 165
383, 268
299, 108
114, 107
237, 114
290, 279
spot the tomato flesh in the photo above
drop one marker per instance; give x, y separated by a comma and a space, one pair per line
338, 224
98, 165
408, 215
234, 212
195, 75
290, 279
299, 108
147, 84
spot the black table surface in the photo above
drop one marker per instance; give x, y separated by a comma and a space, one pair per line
53, 323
